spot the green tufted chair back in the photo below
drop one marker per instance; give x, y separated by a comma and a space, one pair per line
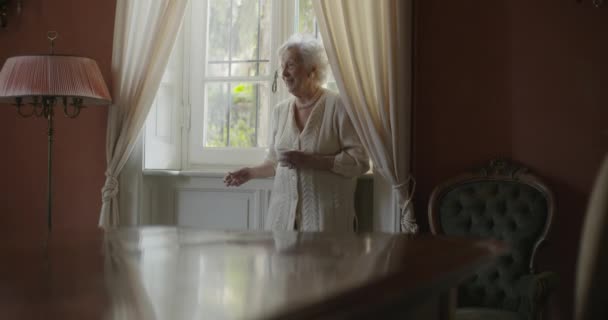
502, 201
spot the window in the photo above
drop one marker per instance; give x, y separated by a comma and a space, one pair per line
213, 106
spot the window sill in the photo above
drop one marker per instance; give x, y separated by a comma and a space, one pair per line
211, 173
201, 173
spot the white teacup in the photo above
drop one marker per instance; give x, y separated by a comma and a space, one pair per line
281, 156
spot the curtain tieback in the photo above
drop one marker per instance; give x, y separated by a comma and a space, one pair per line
407, 217
110, 188
410, 181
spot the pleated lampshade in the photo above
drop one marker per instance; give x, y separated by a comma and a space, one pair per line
27, 77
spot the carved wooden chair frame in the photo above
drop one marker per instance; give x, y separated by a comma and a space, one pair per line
496, 170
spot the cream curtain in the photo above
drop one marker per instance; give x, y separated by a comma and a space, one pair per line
591, 276
368, 44
144, 34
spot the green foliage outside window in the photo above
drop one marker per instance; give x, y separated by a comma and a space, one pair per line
239, 45
242, 119
306, 17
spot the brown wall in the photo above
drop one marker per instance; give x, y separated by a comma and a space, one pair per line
85, 28
522, 79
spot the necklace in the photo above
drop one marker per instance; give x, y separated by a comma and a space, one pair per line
311, 102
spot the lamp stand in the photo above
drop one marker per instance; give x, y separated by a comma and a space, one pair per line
49, 116
45, 108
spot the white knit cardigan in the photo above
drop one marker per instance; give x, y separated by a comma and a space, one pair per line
323, 199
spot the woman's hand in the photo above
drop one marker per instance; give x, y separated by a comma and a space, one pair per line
301, 160
237, 178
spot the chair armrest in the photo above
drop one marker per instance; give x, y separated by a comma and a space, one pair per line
534, 290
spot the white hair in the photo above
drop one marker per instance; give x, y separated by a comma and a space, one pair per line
312, 52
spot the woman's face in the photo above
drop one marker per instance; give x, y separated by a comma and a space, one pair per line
295, 74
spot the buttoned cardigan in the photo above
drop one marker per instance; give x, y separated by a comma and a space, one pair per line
320, 200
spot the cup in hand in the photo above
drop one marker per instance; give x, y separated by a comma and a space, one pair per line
283, 158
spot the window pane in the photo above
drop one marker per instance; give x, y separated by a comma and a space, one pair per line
244, 42
263, 114
219, 22
216, 115
265, 32
239, 32
306, 17
217, 69
243, 116
236, 115
248, 68
264, 68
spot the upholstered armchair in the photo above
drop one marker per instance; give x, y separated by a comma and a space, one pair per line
503, 201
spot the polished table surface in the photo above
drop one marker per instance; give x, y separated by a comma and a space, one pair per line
182, 273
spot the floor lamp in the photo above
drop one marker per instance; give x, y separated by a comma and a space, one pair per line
37, 84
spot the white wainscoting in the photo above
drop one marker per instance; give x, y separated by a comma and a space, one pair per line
204, 202
196, 199
216, 209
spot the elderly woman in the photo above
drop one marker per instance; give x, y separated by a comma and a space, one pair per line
315, 153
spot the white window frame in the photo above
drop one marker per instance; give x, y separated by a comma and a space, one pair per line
181, 152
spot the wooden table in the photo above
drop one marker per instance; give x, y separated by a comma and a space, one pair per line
180, 273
